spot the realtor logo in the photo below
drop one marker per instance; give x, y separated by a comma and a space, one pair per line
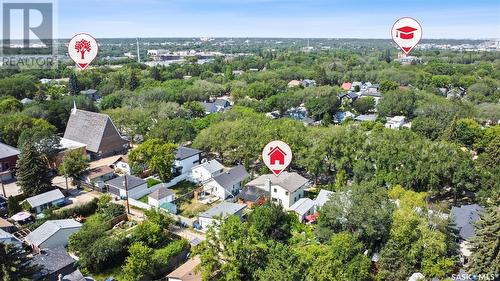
27, 32
277, 155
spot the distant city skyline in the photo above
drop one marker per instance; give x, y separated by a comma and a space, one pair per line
276, 18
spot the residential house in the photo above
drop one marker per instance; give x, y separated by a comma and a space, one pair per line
374, 88
321, 199
286, 189
93, 94
340, 116
293, 83
238, 72
46, 200
219, 105
356, 86
456, 93
6, 225
303, 207
66, 145
348, 97
26, 101
8, 160
160, 196
346, 86
99, 175
8, 238
364, 87
187, 271
251, 195
134, 186
206, 171
226, 184
297, 113
308, 83
465, 218
395, 122
221, 210
375, 95
97, 132
52, 234
54, 263
185, 159
366, 118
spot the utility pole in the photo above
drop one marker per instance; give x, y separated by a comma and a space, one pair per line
125, 183
138, 52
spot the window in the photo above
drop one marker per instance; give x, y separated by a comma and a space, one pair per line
286, 192
275, 190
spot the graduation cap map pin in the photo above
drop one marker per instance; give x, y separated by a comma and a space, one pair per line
406, 33
82, 49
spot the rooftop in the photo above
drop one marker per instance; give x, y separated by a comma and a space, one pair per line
211, 166
131, 181
8, 151
322, 198
161, 193
302, 206
231, 177
51, 261
49, 228
44, 198
185, 152
252, 193
186, 272
289, 181
70, 144
223, 209
465, 216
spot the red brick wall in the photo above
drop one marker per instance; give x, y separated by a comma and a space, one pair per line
11, 161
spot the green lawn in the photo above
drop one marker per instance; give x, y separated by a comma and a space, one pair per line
144, 199
190, 208
183, 187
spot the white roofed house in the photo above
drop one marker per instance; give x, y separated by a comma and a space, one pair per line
303, 207
8, 238
160, 196
226, 184
46, 200
397, 122
286, 189
206, 171
97, 132
52, 234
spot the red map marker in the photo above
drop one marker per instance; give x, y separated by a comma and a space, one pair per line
83, 49
277, 155
406, 33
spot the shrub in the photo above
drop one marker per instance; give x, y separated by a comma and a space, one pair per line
152, 182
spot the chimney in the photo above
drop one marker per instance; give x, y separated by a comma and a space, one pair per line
268, 185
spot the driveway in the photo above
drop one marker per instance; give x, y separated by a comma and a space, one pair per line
193, 237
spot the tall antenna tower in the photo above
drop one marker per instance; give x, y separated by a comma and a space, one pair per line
138, 52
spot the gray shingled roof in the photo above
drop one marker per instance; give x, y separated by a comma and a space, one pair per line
8, 151
44, 198
161, 193
185, 152
289, 181
49, 228
223, 209
302, 206
231, 177
465, 216
211, 166
131, 181
88, 128
51, 261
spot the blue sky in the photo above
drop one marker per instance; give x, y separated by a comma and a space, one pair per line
276, 18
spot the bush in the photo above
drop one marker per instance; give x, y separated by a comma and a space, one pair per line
164, 258
84, 210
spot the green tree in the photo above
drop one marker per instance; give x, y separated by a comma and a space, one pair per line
13, 206
74, 164
33, 173
15, 263
397, 103
155, 155
346, 211
139, 262
133, 81
155, 73
341, 259
74, 84
485, 245
10, 104
269, 220
173, 130
387, 85
283, 264
464, 131
364, 105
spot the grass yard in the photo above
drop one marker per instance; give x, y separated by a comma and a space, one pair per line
192, 208
112, 272
144, 199
183, 187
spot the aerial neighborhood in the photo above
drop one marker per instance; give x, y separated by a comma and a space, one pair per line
150, 166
